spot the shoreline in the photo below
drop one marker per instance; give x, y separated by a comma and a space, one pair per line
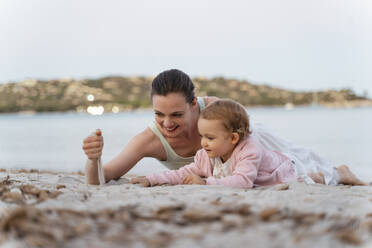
69, 213
335, 106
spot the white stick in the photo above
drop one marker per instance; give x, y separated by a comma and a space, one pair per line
101, 175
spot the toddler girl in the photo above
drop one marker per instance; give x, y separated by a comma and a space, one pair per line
230, 156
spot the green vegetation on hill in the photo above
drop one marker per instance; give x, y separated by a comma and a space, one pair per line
126, 93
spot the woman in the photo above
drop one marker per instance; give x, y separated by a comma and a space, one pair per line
173, 138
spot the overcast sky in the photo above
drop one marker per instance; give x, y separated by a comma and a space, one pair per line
295, 44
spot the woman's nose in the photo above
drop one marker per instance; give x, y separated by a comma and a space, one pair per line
168, 122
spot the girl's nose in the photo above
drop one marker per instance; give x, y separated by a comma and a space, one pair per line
204, 143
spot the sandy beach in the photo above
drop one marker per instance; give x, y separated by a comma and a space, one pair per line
46, 209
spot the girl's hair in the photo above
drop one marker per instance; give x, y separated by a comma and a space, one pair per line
232, 114
173, 81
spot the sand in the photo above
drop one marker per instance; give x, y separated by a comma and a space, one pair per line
45, 209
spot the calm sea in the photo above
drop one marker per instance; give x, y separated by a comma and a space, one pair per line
53, 141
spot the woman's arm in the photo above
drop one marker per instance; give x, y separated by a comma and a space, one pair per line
144, 144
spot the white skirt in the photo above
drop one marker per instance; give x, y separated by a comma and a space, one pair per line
304, 160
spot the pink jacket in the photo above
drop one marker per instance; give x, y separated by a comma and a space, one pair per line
252, 165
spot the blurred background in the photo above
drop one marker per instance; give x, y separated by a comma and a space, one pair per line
295, 44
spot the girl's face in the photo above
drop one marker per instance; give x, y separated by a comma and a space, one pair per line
172, 114
216, 140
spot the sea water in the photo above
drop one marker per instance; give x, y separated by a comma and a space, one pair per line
53, 141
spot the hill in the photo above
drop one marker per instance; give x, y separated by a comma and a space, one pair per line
127, 93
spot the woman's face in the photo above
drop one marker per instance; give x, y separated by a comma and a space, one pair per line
172, 114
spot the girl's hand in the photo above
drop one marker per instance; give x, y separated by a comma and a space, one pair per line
193, 179
93, 145
141, 180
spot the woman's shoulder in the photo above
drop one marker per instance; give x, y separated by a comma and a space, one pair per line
148, 143
209, 99
145, 135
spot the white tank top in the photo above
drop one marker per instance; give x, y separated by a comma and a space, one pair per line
174, 161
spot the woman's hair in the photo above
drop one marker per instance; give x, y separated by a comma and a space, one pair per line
232, 114
173, 81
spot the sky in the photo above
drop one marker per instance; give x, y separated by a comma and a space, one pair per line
293, 44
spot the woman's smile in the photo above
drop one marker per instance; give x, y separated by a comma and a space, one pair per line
171, 129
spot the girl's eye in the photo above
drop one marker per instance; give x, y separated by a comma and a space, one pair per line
210, 138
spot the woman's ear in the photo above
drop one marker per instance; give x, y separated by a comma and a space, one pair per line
194, 101
235, 138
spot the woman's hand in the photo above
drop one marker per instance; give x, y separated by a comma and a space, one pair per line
141, 180
93, 145
193, 179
